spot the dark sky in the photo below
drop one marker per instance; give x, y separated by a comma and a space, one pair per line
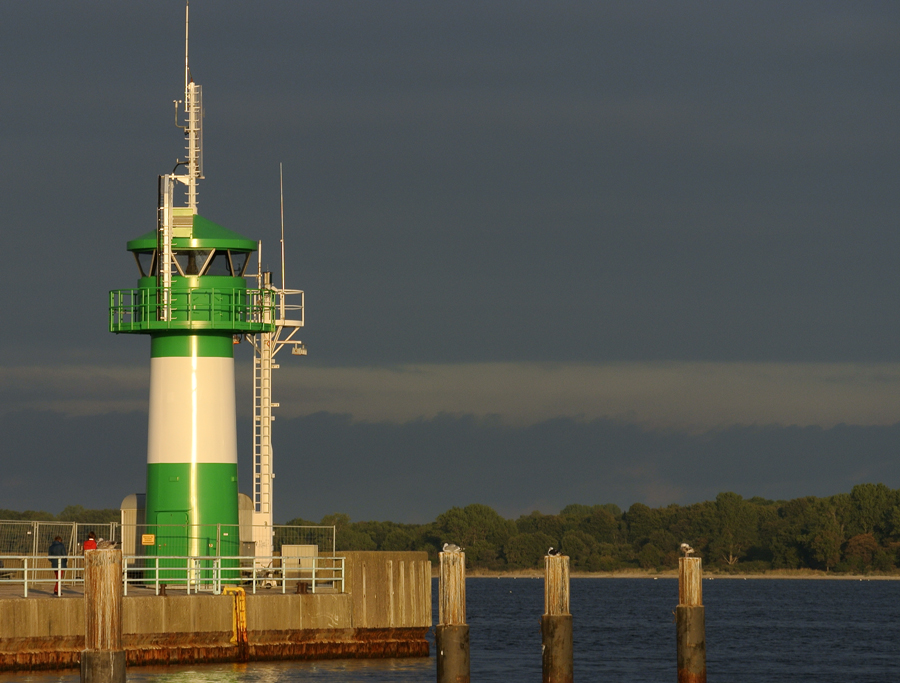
552, 252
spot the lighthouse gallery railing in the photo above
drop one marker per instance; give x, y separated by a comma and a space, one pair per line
200, 308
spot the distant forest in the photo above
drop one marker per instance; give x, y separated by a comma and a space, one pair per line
856, 532
73, 513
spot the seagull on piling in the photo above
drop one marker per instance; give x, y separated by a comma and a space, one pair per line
107, 545
686, 549
553, 552
451, 548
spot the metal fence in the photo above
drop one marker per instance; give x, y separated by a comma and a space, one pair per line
222, 539
320, 536
34, 538
298, 573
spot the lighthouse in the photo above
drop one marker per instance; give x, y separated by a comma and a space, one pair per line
193, 301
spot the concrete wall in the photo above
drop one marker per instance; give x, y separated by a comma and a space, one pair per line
295, 612
187, 614
41, 617
390, 590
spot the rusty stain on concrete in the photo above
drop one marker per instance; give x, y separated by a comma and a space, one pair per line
65, 653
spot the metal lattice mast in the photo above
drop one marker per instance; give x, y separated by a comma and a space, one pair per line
262, 424
193, 126
166, 222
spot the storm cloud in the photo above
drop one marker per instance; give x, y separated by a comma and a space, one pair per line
521, 233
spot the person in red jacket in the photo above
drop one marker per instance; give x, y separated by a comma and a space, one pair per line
91, 542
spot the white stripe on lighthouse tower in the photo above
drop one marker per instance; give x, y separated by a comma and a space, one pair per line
192, 411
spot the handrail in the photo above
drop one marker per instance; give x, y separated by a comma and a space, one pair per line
212, 573
225, 308
36, 570
209, 573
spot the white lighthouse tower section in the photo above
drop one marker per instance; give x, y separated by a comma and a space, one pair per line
192, 411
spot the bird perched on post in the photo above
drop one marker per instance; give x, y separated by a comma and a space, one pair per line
554, 552
451, 548
107, 545
686, 549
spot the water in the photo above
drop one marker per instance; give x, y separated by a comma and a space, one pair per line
757, 631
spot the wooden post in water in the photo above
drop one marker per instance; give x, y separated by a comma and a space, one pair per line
690, 622
556, 624
103, 658
452, 633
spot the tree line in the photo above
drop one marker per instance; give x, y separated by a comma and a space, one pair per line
856, 532
72, 513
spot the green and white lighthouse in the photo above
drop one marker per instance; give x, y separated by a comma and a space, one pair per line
192, 477
193, 301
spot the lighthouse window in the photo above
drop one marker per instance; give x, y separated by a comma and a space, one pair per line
239, 262
146, 261
219, 264
181, 260
191, 261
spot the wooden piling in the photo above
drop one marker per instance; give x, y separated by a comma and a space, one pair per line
556, 623
103, 658
452, 633
690, 622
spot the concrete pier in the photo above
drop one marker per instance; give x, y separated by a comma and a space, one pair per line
386, 612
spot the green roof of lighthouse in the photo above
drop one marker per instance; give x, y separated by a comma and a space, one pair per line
204, 235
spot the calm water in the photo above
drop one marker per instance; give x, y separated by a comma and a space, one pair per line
757, 631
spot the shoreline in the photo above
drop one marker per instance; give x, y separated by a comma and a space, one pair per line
790, 574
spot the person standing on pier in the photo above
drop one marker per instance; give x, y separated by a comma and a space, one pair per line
58, 560
91, 542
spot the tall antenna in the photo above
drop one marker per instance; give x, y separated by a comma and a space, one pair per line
281, 178
172, 218
187, 68
289, 319
193, 128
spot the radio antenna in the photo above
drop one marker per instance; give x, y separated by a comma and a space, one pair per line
281, 181
193, 125
187, 68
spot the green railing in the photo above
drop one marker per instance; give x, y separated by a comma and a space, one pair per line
203, 308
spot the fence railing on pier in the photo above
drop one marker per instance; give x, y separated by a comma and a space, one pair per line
192, 574
34, 537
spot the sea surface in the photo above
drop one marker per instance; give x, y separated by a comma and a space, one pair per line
757, 631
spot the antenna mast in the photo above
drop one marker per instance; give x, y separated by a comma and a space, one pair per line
281, 180
193, 128
289, 319
171, 218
